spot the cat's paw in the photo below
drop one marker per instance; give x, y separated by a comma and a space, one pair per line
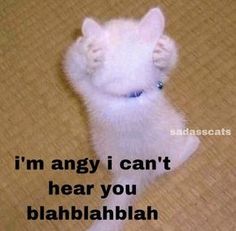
165, 53
94, 54
106, 226
101, 226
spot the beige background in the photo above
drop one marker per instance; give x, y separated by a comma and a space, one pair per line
42, 118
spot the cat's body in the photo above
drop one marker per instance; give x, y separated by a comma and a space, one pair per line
109, 65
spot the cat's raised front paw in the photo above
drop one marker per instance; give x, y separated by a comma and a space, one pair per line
165, 54
94, 55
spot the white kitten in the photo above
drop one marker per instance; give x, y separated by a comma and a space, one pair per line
116, 67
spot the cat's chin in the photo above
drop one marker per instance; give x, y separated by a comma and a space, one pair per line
123, 88
118, 86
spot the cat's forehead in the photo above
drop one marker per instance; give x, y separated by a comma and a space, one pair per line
121, 29
121, 24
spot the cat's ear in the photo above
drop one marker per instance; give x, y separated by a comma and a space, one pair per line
151, 26
91, 28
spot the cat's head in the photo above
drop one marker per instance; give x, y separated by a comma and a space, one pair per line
127, 48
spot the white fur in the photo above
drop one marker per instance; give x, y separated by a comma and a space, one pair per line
106, 64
